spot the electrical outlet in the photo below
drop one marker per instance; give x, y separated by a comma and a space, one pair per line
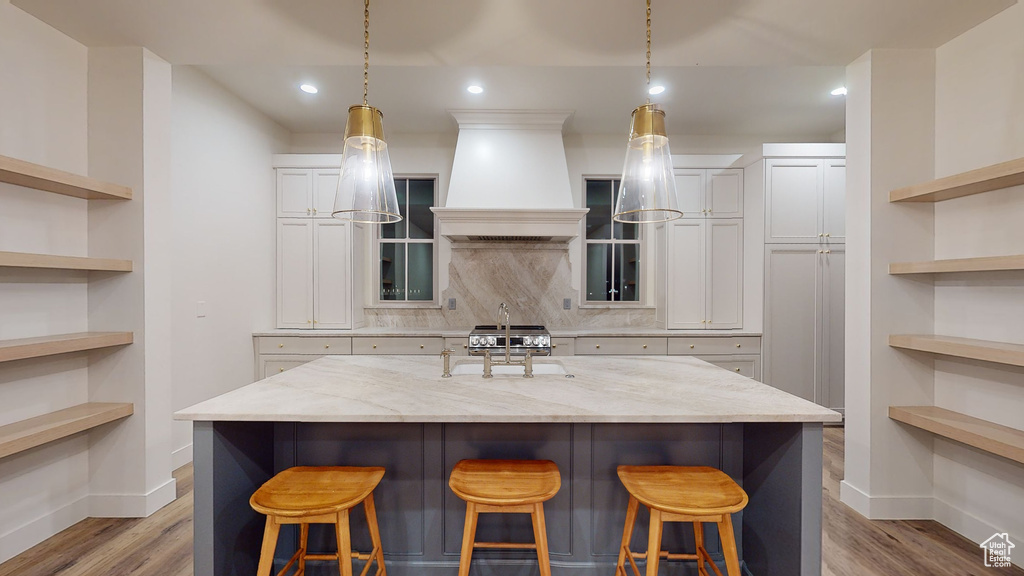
567, 303
451, 303
201, 309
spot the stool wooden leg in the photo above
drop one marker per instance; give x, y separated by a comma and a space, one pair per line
371, 521
468, 537
698, 537
303, 547
270, 533
654, 543
728, 538
344, 543
627, 534
540, 536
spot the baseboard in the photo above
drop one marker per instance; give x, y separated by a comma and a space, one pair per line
20, 539
972, 527
181, 456
132, 505
886, 507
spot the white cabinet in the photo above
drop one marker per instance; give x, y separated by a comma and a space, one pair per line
805, 200
306, 192
701, 275
314, 273
804, 321
710, 193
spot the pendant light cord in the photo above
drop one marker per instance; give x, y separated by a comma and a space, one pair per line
648, 50
366, 46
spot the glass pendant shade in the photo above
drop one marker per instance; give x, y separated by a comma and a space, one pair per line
366, 189
648, 189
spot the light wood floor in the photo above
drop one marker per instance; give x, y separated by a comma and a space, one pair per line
161, 545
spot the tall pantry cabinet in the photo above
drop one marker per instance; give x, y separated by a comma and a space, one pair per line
317, 255
805, 262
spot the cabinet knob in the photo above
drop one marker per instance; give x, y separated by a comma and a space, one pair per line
327, 345
821, 251
421, 346
737, 369
737, 345
280, 345
309, 321
465, 345
554, 345
597, 346
827, 235
820, 234
374, 346
645, 346
307, 211
691, 346
314, 211
280, 369
828, 251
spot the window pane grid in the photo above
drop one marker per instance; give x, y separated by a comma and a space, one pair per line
407, 247
612, 248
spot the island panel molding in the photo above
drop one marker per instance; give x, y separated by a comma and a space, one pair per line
987, 179
39, 177
981, 434
33, 432
979, 264
986, 350
23, 348
54, 262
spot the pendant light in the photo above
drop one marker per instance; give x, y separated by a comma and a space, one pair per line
366, 189
647, 192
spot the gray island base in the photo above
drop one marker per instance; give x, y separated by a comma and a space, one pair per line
398, 413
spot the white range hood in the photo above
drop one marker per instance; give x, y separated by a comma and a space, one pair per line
510, 180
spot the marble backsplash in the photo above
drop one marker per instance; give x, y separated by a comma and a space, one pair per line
532, 278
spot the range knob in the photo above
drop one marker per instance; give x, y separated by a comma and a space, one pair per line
474, 340
529, 341
492, 341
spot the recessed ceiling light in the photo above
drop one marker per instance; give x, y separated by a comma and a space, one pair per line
474, 89
841, 91
308, 89
656, 90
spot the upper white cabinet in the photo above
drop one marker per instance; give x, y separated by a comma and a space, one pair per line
710, 193
804, 200
702, 274
306, 192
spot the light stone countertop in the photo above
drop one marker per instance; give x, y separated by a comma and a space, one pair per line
555, 332
653, 389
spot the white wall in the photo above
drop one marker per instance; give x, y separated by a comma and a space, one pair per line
223, 233
42, 119
979, 120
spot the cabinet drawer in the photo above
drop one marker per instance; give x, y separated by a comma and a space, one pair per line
397, 345
563, 346
459, 345
749, 366
275, 365
621, 346
305, 345
714, 345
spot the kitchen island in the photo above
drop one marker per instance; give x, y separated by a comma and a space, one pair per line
587, 414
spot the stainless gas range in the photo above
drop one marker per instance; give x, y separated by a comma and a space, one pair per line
521, 339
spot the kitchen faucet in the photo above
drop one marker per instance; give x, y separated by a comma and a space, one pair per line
526, 363
504, 309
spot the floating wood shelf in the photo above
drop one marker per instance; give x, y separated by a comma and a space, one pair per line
985, 179
987, 350
21, 173
981, 434
984, 264
27, 434
25, 260
23, 348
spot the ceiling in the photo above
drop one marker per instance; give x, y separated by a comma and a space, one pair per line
733, 67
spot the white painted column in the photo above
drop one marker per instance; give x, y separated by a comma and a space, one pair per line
129, 143
890, 119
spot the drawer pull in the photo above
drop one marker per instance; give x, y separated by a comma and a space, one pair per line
554, 345
597, 346
645, 346
691, 346
737, 345
374, 346
465, 345
327, 346
280, 369
737, 369
280, 345
421, 346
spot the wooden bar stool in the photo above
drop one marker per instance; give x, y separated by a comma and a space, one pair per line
505, 486
695, 494
307, 495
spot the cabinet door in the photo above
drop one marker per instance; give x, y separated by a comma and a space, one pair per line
690, 184
791, 326
294, 273
294, 193
792, 200
833, 330
748, 366
834, 201
724, 193
684, 289
724, 293
325, 187
332, 271
276, 365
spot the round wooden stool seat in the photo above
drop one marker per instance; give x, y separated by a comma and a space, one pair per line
687, 490
504, 487
314, 490
307, 495
505, 482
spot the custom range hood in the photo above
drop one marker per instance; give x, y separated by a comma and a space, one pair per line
510, 181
